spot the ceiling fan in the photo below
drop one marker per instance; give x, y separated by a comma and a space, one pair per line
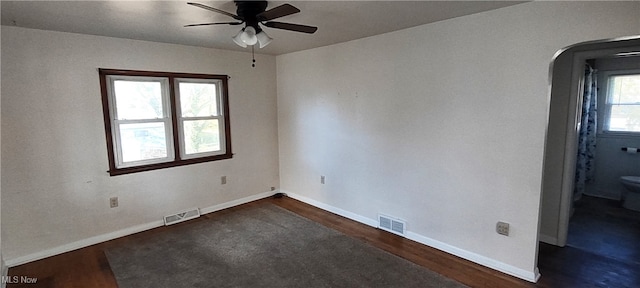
252, 14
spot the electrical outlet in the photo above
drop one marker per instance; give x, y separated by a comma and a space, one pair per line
502, 228
223, 180
113, 202
321, 179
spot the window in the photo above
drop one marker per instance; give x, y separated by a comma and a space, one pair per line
622, 109
158, 120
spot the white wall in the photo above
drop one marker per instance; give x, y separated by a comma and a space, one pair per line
442, 125
555, 148
3, 266
55, 188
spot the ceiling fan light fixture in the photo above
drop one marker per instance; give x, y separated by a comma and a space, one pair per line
248, 36
263, 39
251, 14
237, 39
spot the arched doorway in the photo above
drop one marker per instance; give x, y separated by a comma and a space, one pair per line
564, 120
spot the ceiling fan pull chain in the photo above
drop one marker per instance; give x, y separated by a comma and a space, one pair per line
253, 56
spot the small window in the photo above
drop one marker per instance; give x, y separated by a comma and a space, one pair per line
623, 104
200, 117
157, 120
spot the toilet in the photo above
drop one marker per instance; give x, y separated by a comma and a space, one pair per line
631, 197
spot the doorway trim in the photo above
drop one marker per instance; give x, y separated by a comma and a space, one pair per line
580, 53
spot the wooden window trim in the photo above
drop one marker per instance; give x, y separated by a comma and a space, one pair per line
114, 170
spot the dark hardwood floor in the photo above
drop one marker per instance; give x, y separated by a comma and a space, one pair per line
88, 267
603, 247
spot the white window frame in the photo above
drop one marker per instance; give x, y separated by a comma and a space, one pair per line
219, 116
116, 122
607, 102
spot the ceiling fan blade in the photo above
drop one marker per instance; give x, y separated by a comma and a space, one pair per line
291, 27
215, 23
277, 12
214, 10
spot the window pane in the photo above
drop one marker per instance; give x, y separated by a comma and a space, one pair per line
143, 141
625, 89
625, 118
624, 101
198, 99
201, 136
138, 99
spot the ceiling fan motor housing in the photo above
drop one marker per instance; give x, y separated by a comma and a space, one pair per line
248, 10
254, 13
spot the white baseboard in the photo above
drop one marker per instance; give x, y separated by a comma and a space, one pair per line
531, 276
82, 243
548, 239
236, 202
604, 195
332, 209
5, 271
121, 233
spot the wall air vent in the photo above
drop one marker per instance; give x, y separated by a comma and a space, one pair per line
391, 224
181, 217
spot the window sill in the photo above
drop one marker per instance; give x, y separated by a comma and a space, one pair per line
150, 167
608, 134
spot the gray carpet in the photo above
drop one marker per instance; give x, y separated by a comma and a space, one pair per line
264, 246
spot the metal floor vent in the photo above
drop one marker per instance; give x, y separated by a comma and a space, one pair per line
181, 217
391, 224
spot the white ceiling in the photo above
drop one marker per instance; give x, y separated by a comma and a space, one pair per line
163, 21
